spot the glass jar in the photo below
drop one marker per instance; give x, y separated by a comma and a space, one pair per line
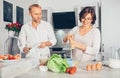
114, 59
44, 59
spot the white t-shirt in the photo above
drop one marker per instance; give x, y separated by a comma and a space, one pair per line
33, 37
91, 40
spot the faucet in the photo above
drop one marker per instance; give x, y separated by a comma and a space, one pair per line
10, 37
102, 56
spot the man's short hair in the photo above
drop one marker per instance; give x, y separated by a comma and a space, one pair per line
34, 5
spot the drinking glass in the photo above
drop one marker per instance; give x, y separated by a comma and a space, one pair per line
44, 59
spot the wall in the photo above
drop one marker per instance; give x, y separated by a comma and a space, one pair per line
22, 3
110, 17
63, 6
110, 24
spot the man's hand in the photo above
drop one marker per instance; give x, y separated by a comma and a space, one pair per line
45, 44
26, 49
42, 45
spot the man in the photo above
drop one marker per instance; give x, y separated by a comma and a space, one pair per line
37, 33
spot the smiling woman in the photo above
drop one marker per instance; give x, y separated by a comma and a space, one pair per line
84, 39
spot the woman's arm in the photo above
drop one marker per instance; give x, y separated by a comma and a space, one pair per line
70, 34
75, 44
94, 49
80, 46
67, 37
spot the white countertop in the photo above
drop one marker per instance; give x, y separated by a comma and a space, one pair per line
13, 68
106, 72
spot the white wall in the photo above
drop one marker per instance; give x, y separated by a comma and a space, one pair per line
111, 24
63, 5
22, 3
110, 17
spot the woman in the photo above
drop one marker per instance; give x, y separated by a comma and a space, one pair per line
85, 39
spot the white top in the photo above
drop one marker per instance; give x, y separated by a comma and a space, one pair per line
32, 37
91, 40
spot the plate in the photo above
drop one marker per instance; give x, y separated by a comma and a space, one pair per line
8, 60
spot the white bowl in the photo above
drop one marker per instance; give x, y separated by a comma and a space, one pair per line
43, 68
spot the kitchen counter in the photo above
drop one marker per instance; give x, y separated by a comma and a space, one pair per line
13, 68
106, 72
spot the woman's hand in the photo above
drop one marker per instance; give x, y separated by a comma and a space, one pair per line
78, 45
68, 37
81, 46
72, 43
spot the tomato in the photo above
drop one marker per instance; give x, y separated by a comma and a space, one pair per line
10, 57
1, 57
67, 70
17, 56
74, 68
71, 71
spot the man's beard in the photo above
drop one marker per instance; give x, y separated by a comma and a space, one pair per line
37, 21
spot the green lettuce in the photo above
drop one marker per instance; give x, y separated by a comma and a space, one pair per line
57, 64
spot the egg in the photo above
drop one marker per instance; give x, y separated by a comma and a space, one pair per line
93, 67
98, 65
88, 67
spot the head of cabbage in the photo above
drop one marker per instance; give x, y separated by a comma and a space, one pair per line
57, 64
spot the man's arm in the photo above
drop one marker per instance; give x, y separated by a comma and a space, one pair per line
45, 44
51, 36
22, 36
